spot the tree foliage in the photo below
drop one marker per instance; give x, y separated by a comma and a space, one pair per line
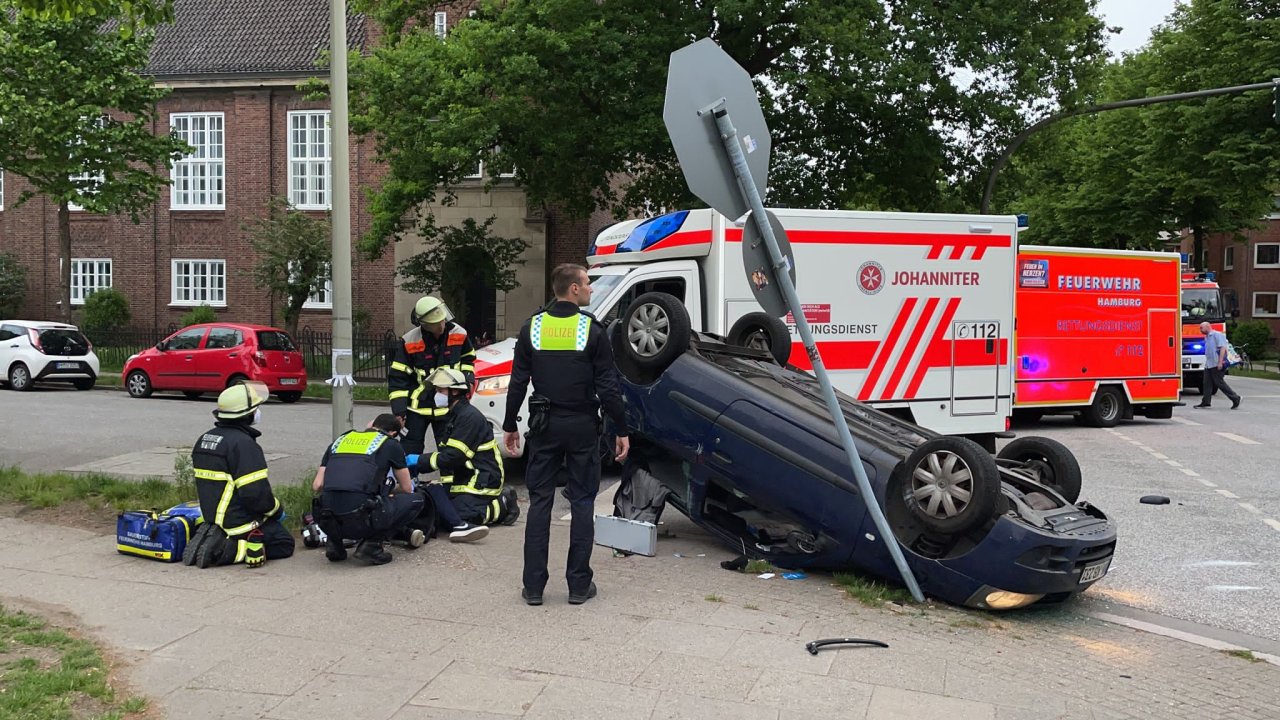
126, 14
294, 250
457, 256
870, 104
1121, 177
105, 309
199, 314
75, 119
13, 284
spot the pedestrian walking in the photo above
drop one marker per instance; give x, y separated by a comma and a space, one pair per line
564, 351
1215, 368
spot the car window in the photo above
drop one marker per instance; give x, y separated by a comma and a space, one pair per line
60, 341
187, 339
8, 332
222, 338
275, 340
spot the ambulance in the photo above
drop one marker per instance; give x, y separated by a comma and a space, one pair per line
912, 313
1099, 334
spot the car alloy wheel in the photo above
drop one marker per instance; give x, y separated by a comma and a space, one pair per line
20, 377
648, 330
942, 484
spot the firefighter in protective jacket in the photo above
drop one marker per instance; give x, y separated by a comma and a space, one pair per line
468, 458
241, 514
435, 341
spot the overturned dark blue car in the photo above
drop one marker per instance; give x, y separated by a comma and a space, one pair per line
748, 451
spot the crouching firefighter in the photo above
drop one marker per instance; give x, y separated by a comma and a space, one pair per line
470, 466
356, 501
242, 516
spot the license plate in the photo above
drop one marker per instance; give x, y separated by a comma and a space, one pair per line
1094, 571
288, 381
68, 366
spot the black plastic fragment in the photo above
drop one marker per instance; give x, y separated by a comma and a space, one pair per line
812, 647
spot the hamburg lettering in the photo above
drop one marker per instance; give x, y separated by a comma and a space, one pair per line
935, 278
1099, 282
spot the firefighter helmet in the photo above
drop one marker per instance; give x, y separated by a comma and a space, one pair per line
429, 310
447, 377
240, 400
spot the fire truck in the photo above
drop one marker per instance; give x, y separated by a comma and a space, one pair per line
912, 312
1201, 302
1098, 334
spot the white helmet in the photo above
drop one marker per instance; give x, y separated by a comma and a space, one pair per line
429, 310
241, 399
450, 378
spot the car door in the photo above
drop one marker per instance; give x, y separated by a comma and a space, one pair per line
176, 365
220, 357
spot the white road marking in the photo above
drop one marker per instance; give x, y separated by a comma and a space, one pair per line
1238, 438
1250, 508
1206, 483
1189, 471
1232, 588
1227, 494
1174, 463
1275, 524
1144, 448
1185, 421
1136, 442
1158, 456
1220, 563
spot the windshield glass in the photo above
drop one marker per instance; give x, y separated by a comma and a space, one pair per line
1202, 305
601, 287
60, 341
273, 340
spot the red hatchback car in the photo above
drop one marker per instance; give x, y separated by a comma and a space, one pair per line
210, 357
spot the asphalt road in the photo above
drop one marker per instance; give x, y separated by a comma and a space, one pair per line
1212, 556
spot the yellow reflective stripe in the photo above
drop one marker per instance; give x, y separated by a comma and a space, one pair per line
401, 367
251, 477
466, 368
220, 516
492, 511
396, 394
465, 448
242, 549
487, 446
213, 475
434, 461
241, 529
430, 411
473, 490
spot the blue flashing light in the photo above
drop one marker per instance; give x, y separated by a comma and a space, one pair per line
653, 231
1023, 220
1192, 348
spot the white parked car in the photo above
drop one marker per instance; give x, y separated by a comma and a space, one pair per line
33, 351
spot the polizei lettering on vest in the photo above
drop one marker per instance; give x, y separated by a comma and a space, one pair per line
905, 277
1099, 282
559, 332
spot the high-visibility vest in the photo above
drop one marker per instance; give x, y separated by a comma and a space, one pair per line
351, 467
548, 332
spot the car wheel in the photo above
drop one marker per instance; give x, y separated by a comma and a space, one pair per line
193, 395
289, 397
86, 384
1049, 462
19, 377
1106, 410
953, 485
235, 379
761, 331
138, 384
656, 330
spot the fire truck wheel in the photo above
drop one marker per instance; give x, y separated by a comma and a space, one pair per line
953, 485
656, 331
761, 331
1106, 410
1048, 461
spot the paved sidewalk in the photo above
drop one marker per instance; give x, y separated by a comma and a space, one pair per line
441, 633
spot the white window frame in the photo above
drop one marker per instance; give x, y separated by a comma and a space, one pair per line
87, 276
1258, 247
199, 179
1257, 313
479, 172
97, 178
1229, 257
310, 171
209, 287
321, 299
1, 189
442, 24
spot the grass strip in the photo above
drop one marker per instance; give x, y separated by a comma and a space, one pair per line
870, 592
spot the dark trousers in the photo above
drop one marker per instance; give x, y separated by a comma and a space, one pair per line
1214, 380
571, 440
447, 517
277, 542
415, 440
349, 522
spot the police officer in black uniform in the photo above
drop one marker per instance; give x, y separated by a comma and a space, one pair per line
354, 499
566, 353
435, 341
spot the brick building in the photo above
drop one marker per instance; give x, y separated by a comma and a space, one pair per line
234, 67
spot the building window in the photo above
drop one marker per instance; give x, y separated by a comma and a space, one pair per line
1266, 255
1, 189
481, 167
321, 299
1229, 257
309, 160
88, 275
199, 179
442, 24
89, 182
199, 282
1266, 304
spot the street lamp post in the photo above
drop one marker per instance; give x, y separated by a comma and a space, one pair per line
340, 221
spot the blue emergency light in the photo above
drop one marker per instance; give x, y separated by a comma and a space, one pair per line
653, 231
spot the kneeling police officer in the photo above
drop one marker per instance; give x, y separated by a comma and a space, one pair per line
356, 501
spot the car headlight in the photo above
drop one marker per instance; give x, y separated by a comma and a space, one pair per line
131, 357
496, 385
1005, 600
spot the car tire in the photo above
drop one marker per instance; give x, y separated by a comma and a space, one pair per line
138, 384
952, 485
1049, 462
761, 331
1107, 408
289, 397
20, 378
193, 394
655, 331
86, 384
235, 379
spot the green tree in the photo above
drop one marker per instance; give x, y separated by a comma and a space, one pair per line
456, 257
13, 284
891, 105
131, 12
293, 250
1252, 337
75, 120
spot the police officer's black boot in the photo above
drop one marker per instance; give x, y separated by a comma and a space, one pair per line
334, 549
372, 552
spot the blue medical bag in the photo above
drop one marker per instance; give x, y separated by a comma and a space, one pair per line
154, 535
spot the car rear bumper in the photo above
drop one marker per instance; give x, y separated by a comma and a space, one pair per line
68, 369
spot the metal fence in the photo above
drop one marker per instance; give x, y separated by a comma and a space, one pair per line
371, 352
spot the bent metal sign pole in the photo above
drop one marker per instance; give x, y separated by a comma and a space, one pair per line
703, 81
